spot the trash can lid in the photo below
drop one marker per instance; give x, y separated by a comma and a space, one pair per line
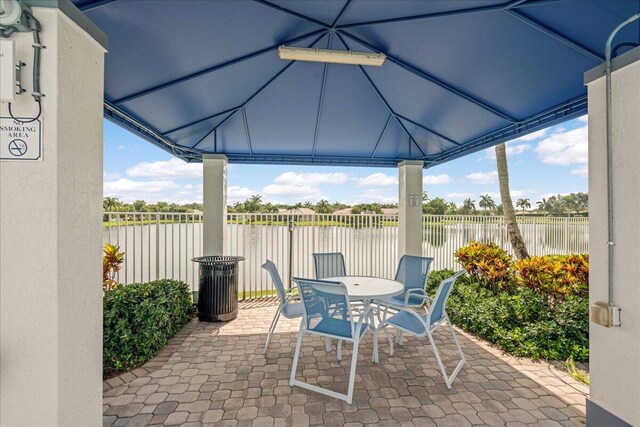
218, 259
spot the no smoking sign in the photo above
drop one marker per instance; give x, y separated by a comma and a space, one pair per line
20, 141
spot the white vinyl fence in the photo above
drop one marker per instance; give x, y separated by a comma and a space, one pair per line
161, 245
156, 245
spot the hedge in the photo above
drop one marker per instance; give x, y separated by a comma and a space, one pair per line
139, 319
519, 321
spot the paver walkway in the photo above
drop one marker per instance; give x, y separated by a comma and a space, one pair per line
215, 374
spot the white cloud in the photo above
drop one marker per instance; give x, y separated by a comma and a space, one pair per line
518, 193
517, 149
483, 177
583, 171
564, 147
376, 179
235, 193
186, 194
584, 119
150, 191
124, 184
110, 175
460, 195
301, 186
173, 168
315, 178
511, 149
305, 192
375, 196
436, 179
120, 147
532, 136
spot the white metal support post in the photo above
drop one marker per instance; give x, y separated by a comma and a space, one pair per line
214, 203
410, 208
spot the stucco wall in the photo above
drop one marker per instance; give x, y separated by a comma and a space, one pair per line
51, 238
615, 352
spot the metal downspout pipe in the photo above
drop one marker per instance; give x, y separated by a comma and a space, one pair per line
610, 241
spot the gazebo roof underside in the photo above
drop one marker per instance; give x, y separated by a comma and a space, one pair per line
204, 77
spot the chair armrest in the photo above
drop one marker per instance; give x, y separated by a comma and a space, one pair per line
419, 293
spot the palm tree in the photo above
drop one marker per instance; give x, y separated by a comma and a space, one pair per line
269, 208
486, 203
110, 204
523, 204
469, 205
253, 203
517, 243
324, 207
239, 207
542, 205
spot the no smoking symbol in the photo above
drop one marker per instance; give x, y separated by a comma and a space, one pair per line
18, 147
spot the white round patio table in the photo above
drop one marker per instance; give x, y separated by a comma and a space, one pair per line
367, 289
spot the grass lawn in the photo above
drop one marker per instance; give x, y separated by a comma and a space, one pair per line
123, 223
145, 222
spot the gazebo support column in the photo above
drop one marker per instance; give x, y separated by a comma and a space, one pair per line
410, 208
51, 231
613, 355
214, 203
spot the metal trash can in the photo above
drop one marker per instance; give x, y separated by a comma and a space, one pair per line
218, 287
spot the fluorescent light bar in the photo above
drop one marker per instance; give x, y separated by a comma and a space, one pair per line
332, 56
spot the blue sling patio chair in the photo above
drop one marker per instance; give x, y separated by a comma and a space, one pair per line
329, 264
289, 308
412, 272
318, 319
409, 321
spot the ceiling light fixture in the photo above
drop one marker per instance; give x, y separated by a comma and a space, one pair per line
332, 56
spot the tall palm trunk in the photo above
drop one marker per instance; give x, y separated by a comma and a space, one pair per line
507, 206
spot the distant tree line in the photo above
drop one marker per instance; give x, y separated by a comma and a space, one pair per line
112, 204
573, 204
254, 204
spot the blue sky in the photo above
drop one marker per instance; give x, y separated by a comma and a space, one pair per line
552, 161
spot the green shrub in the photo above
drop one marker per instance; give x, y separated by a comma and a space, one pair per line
139, 319
488, 263
520, 321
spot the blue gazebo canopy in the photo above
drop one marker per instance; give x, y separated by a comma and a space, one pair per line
197, 77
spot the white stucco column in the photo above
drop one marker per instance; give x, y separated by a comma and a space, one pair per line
51, 234
214, 203
614, 352
410, 208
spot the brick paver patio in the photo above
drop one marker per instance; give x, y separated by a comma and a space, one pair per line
215, 374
